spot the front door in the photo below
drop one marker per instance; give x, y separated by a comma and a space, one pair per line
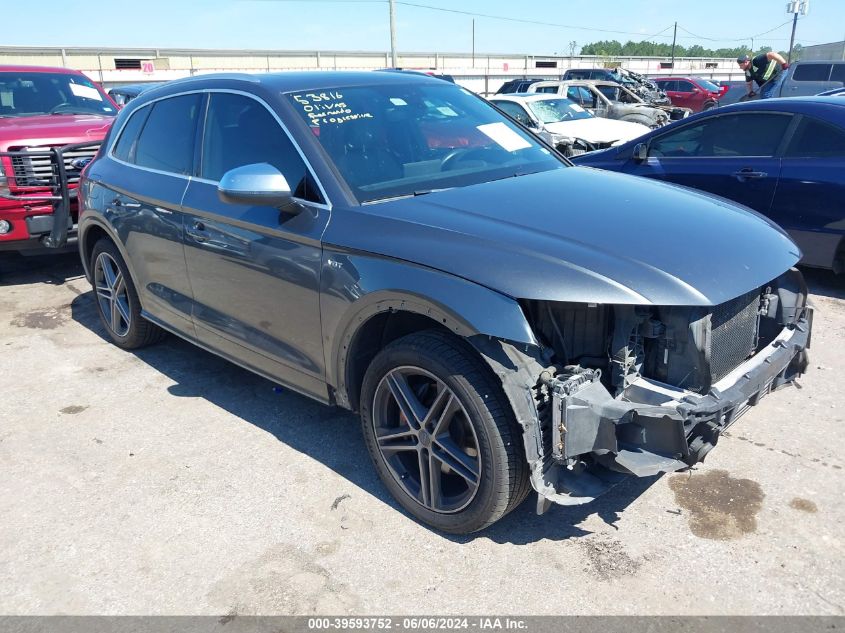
255, 270
734, 156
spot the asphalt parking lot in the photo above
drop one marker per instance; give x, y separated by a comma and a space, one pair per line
169, 481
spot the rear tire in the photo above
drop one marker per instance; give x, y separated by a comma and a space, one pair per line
451, 451
117, 300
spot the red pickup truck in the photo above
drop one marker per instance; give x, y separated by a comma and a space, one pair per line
52, 121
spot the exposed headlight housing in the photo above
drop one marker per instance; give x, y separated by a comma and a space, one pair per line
5, 227
560, 139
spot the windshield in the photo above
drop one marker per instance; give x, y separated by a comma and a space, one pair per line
617, 93
707, 85
557, 110
29, 94
407, 139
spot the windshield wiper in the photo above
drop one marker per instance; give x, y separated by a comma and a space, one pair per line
419, 192
422, 192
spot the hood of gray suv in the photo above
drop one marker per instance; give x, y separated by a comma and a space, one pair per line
579, 235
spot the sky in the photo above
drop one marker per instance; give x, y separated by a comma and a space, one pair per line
547, 27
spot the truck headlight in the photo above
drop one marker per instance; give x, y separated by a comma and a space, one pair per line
4, 183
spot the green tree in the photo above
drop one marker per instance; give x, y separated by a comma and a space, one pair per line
645, 48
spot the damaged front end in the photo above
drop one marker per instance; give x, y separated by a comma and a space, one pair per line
639, 390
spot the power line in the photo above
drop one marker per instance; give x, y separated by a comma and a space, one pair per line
506, 18
520, 20
738, 39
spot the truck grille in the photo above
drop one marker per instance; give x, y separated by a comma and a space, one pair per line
37, 170
733, 333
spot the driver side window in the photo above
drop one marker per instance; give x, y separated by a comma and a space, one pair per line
516, 111
240, 131
752, 134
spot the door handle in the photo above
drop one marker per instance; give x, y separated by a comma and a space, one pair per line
748, 174
196, 232
120, 204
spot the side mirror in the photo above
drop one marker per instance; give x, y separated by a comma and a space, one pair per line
640, 152
257, 184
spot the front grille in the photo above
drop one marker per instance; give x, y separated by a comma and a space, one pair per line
733, 333
38, 170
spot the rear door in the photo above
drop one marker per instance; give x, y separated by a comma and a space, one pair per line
732, 155
670, 87
154, 156
685, 95
810, 199
255, 270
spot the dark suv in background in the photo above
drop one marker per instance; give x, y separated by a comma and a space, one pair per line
517, 85
394, 245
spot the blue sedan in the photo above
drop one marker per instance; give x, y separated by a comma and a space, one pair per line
784, 158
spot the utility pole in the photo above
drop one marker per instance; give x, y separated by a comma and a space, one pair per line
572, 45
795, 7
473, 42
674, 37
394, 60
792, 39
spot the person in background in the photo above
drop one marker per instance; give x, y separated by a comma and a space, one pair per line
763, 69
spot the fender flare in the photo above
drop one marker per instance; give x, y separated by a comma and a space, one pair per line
463, 307
82, 238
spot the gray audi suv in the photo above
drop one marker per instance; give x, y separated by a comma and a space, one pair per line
394, 245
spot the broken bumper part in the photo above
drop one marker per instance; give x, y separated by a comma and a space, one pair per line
652, 427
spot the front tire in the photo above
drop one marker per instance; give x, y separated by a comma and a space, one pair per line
117, 300
441, 433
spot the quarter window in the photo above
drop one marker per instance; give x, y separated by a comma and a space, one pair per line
811, 72
167, 140
124, 149
241, 131
816, 139
755, 134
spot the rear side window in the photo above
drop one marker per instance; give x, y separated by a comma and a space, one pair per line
816, 139
241, 131
167, 140
812, 72
124, 149
753, 134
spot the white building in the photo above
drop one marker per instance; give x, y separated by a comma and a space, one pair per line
481, 73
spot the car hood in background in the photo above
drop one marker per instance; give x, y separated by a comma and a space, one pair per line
579, 235
52, 129
599, 130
